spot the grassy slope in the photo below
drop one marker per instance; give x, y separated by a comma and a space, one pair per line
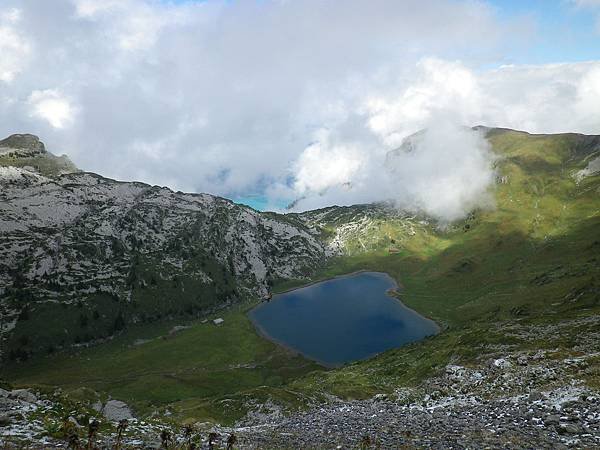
51, 326
532, 260
199, 364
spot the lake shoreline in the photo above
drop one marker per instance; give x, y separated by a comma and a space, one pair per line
334, 277
262, 333
393, 292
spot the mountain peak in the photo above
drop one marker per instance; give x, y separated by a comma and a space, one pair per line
26, 151
28, 142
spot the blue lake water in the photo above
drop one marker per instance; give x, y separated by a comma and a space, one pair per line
341, 320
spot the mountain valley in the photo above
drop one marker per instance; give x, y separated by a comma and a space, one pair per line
109, 290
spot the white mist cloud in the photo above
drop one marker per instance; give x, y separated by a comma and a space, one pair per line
324, 164
134, 25
448, 173
233, 97
14, 48
440, 87
445, 171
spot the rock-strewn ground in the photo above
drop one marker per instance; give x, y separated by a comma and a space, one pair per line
523, 400
536, 421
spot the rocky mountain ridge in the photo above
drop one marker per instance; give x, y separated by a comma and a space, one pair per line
79, 240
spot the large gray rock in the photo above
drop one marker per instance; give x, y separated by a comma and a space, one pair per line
552, 419
5, 420
97, 406
23, 395
116, 410
501, 364
570, 428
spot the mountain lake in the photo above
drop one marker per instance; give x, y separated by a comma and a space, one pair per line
341, 320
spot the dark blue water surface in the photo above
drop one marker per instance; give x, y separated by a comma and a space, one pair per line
341, 320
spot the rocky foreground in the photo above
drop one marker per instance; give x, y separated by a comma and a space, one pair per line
524, 400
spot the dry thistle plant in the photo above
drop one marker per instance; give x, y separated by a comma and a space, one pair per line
165, 438
212, 437
93, 428
188, 432
120, 430
69, 431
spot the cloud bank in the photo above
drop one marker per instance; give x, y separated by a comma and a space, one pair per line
288, 99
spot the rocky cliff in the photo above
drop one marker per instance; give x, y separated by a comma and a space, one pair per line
82, 255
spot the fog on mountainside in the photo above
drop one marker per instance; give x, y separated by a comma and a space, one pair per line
444, 171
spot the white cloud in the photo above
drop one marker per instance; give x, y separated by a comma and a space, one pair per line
90, 8
133, 24
588, 96
448, 173
548, 98
440, 87
232, 97
324, 164
52, 106
15, 50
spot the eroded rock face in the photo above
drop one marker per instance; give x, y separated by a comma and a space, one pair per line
23, 143
593, 168
80, 236
116, 410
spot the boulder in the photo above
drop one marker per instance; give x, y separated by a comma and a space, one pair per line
73, 420
569, 428
501, 364
116, 410
97, 406
23, 395
5, 420
552, 420
176, 329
